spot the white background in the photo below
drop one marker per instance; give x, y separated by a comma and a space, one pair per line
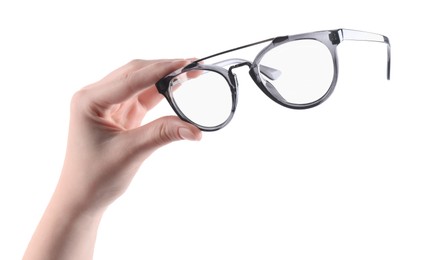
340, 181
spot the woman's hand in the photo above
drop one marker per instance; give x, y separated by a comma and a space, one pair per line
106, 143
106, 146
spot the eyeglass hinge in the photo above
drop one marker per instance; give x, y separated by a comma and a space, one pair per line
334, 37
191, 65
280, 39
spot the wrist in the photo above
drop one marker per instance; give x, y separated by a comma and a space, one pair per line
75, 201
67, 229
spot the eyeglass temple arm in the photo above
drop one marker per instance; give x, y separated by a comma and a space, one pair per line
354, 35
269, 72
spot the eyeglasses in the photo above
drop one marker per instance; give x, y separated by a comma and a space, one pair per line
296, 71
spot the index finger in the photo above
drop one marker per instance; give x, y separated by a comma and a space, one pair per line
114, 92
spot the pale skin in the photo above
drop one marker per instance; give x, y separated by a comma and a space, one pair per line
106, 146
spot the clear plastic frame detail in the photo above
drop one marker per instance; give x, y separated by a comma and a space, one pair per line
296, 71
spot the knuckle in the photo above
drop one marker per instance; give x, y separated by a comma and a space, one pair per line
132, 66
136, 63
80, 99
164, 136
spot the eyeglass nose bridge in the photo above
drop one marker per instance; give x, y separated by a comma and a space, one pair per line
264, 85
232, 75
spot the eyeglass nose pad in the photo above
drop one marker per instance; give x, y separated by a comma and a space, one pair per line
233, 81
273, 91
269, 89
233, 78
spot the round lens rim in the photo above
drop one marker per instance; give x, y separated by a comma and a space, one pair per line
270, 91
210, 69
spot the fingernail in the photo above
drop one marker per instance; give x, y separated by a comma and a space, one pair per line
186, 134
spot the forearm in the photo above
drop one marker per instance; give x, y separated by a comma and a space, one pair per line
67, 230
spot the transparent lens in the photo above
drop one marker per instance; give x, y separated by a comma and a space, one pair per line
202, 96
306, 70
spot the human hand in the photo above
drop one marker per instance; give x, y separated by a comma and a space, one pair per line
106, 144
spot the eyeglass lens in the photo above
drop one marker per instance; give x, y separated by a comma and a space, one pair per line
306, 73
202, 96
306, 67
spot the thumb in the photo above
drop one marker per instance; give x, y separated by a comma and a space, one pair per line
163, 131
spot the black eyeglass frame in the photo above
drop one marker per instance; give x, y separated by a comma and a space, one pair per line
330, 38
